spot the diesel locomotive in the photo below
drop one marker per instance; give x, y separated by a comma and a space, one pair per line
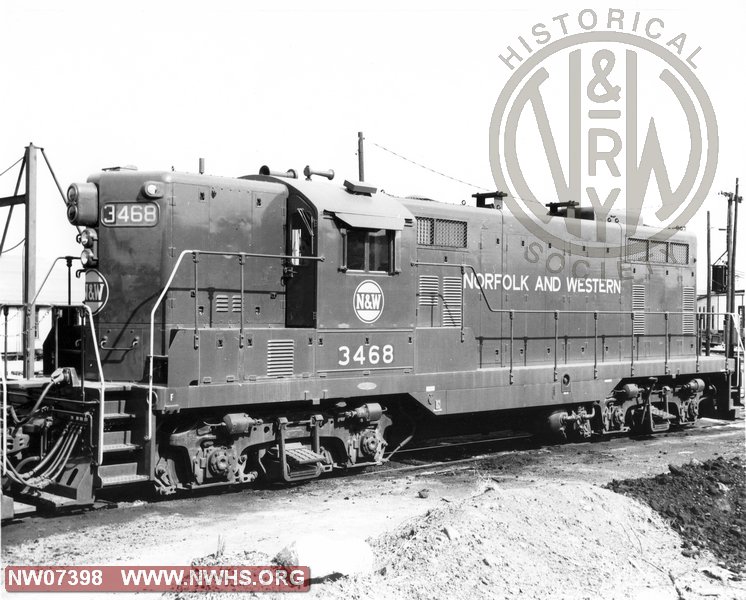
274, 327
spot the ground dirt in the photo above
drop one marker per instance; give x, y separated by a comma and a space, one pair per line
514, 521
704, 502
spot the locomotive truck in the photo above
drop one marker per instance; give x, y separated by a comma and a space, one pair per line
277, 328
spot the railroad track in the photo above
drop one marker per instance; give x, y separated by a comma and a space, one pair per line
704, 427
440, 454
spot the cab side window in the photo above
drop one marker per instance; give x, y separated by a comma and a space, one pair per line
369, 250
356, 239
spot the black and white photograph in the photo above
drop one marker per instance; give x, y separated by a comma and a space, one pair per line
350, 300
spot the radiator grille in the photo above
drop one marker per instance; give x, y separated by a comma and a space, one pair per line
638, 307
425, 227
441, 232
450, 233
280, 358
428, 290
678, 254
657, 252
688, 301
637, 249
237, 304
452, 301
674, 253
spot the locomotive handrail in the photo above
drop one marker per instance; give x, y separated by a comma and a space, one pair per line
25, 306
99, 367
550, 311
5, 416
49, 272
511, 312
195, 254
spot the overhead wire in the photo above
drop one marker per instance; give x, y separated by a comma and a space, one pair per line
11, 166
12, 206
414, 162
13, 247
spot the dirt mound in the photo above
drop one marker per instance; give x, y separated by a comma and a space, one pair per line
545, 541
704, 502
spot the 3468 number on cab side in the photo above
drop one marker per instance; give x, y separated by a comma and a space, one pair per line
366, 355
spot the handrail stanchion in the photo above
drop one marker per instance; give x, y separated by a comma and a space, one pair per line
102, 382
241, 261
556, 342
632, 345
511, 345
667, 348
595, 344
6, 309
195, 259
739, 346
5, 394
463, 336
56, 324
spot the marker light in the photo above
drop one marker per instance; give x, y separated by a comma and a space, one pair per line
88, 259
88, 237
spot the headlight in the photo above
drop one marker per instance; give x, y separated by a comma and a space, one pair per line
82, 204
88, 259
88, 237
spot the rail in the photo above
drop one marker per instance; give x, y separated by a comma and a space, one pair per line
511, 313
69, 260
242, 256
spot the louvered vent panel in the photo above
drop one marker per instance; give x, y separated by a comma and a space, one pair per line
236, 304
221, 303
452, 302
638, 307
280, 358
688, 302
428, 290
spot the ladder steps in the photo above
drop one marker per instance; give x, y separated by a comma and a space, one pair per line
123, 447
118, 416
122, 479
118, 469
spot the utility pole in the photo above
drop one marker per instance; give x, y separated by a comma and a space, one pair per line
708, 326
360, 165
730, 291
732, 269
29, 267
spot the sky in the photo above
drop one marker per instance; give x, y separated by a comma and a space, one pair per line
288, 84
